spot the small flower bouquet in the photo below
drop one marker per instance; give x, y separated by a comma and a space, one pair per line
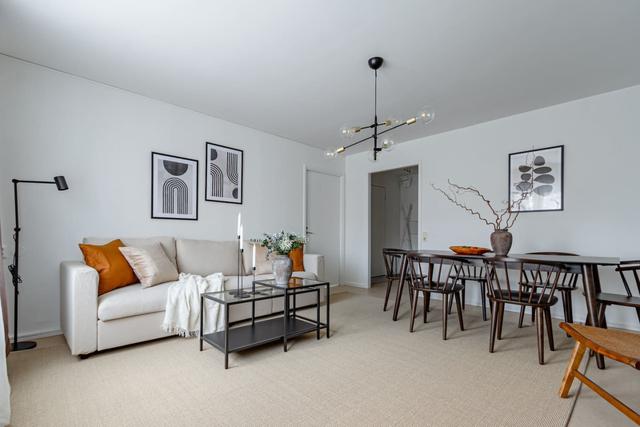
282, 243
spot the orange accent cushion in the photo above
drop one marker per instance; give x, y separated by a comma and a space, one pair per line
113, 269
297, 257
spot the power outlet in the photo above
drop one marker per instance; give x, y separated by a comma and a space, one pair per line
3, 251
424, 236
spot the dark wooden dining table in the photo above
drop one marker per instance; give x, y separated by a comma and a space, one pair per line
585, 265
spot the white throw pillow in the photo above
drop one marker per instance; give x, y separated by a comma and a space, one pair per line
150, 264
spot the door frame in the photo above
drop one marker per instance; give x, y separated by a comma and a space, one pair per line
341, 205
387, 168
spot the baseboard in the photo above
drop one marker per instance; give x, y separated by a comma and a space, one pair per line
37, 335
355, 284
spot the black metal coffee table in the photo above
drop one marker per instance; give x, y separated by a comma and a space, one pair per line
262, 331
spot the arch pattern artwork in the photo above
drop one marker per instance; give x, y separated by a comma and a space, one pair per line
538, 176
224, 174
174, 182
217, 180
175, 197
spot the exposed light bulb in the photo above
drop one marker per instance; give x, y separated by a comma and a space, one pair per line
391, 122
426, 115
348, 131
387, 144
330, 153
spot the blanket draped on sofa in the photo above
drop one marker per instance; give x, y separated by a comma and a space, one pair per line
182, 315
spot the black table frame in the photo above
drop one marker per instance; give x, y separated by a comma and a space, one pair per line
259, 332
587, 266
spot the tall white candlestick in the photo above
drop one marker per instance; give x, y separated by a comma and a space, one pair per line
253, 264
241, 241
239, 223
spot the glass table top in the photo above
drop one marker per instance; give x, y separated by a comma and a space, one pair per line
230, 296
294, 283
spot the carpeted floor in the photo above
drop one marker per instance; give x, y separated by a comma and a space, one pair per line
371, 371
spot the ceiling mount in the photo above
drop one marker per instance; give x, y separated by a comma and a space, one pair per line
375, 62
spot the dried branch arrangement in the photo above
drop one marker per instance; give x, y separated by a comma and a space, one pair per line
502, 219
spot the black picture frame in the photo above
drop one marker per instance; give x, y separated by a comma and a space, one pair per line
194, 178
551, 175
219, 184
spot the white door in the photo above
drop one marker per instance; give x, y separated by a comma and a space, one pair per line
378, 220
323, 221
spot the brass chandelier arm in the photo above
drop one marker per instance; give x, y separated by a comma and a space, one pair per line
379, 133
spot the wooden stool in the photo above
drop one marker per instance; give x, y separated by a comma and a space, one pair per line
620, 346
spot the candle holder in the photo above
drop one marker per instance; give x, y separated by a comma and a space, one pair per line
239, 292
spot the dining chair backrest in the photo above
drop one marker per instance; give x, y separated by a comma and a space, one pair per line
393, 261
440, 273
566, 280
629, 269
538, 280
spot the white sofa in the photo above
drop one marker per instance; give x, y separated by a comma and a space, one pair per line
133, 314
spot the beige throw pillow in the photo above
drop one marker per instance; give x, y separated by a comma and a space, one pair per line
150, 264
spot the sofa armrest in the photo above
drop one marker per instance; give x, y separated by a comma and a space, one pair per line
314, 263
79, 306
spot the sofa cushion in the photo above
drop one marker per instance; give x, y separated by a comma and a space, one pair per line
263, 264
167, 243
113, 269
205, 257
132, 300
150, 264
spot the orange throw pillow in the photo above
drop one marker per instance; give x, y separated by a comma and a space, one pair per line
297, 257
113, 269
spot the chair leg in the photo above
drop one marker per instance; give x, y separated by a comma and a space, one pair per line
533, 315
500, 320
547, 318
540, 330
425, 306
521, 318
494, 324
574, 364
414, 304
483, 299
464, 298
445, 303
563, 297
428, 301
569, 308
459, 310
601, 315
450, 305
386, 297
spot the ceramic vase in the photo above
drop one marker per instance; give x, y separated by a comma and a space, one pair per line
281, 266
501, 241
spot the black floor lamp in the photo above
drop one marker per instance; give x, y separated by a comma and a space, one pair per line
61, 184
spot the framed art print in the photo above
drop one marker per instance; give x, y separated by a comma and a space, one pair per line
536, 177
174, 187
224, 174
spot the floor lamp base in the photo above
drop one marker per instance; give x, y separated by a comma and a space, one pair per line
23, 345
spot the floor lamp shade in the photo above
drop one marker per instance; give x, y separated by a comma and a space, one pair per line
61, 183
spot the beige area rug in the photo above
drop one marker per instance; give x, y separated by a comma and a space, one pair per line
371, 371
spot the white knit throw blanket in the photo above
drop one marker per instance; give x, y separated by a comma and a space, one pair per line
182, 315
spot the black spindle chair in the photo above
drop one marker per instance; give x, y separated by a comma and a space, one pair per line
626, 268
440, 275
393, 259
472, 273
567, 283
541, 280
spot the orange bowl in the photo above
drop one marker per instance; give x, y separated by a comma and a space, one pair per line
469, 250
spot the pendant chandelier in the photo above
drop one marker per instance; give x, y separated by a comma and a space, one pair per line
378, 128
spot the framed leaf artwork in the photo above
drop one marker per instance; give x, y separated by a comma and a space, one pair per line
536, 180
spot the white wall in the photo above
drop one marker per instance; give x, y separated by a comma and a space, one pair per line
602, 205
101, 139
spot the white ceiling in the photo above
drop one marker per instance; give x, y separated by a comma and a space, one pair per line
298, 68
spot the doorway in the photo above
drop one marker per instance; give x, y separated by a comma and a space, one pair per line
323, 220
394, 215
